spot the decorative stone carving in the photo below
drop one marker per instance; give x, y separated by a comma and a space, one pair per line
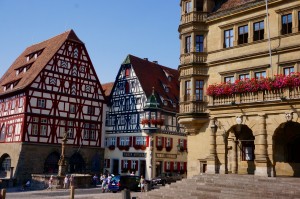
289, 116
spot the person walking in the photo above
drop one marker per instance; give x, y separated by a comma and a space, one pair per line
66, 182
50, 183
142, 183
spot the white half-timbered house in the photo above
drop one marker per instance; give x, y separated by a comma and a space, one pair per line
138, 138
51, 89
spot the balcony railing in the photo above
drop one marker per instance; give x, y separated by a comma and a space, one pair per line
193, 57
193, 16
193, 70
192, 107
260, 96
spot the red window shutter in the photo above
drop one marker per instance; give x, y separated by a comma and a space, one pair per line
165, 166
162, 141
130, 141
133, 138
129, 164
156, 141
136, 165
122, 164
147, 141
185, 144
172, 166
118, 141
184, 166
178, 166
171, 142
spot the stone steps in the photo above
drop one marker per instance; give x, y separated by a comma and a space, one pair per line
229, 186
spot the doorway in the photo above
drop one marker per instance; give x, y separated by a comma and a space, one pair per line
143, 168
158, 169
115, 168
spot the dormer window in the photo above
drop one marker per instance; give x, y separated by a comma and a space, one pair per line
166, 103
34, 54
23, 69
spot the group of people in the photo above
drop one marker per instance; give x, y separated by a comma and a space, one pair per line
68, 182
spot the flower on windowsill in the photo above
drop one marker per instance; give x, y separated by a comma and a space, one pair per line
159, 148
111, 147
145, 121
254, 85
168, 148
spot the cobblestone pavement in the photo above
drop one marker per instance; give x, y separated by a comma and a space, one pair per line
91, 193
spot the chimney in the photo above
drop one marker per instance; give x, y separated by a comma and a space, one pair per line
156, 62
146, 59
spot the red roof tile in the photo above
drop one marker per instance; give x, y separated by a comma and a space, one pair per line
107, 87
151, 75
48, 47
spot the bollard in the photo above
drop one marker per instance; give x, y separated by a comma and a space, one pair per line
125, 194
3, 194
72, 191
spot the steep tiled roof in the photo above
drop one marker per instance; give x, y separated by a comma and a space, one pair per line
46, 51
151, 75
228, 6
107, 87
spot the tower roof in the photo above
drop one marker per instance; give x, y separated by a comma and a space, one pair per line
35, 58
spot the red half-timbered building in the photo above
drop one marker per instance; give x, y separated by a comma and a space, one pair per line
51, 89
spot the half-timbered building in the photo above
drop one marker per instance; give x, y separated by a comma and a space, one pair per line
142, 133
51, 89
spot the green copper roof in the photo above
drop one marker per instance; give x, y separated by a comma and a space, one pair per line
151, 101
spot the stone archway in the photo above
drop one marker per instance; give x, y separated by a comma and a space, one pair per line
51, 163
239, 150
76, 163
286, 147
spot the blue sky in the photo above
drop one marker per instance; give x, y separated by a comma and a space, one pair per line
110, 29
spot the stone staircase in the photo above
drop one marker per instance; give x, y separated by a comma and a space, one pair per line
229, 186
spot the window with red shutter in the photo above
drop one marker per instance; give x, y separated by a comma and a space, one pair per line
171, 142
163, 142
172, 166
184, 166
185, 144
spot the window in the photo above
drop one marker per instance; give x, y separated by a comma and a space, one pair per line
72, 108
41, 103
247, 152
228, 38
70, 129
286, 22
168, 142
86, 134
10, 130
43, 127
199, 90
21, 102
243, 35
52, 81
299, 21
187, 90
35, 129
6, 163
259, 31
127, 72
187, 44
288, 70
134, 164
229, 79
159, 141
13, 104
112, 141
91, 110
126, 88
199, 43
259, 75
188, 7
199, 5
124, 141
140, 141
244, 76
168, 166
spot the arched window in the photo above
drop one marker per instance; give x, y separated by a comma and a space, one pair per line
6, 163
51, 163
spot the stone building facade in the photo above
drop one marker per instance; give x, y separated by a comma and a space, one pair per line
239, 64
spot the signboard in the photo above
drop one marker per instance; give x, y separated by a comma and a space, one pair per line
137, 155
166, 155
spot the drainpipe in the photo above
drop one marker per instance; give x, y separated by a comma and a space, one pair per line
268, 24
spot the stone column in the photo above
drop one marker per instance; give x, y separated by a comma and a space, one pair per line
261, 147
234, 160
62, 162
211, 159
